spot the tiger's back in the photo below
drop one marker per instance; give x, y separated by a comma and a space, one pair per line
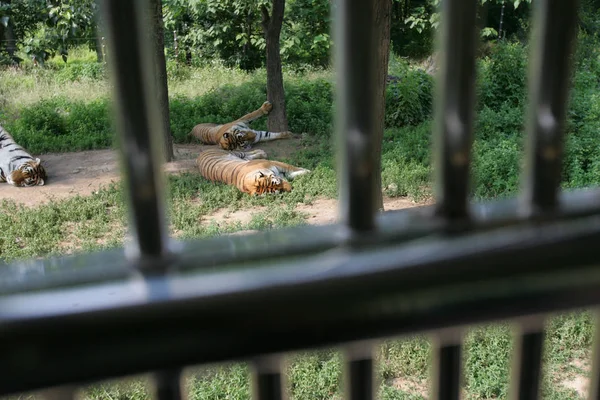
220, 165
245, 171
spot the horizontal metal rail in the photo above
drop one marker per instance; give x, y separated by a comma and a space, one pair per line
333, 297
393, 227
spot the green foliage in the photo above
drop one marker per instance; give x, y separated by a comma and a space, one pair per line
231, 30
405, 160
503, 76
61, 125
43, 28
409, 101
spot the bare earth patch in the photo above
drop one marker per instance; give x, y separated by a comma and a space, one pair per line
578, 381
82, 173
411, 385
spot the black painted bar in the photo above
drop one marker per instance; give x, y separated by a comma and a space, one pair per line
297, 303
454, 108
168, 385
267, 378
594, 386
527, 364
355, 61
138, 124
359, 379
553, 34
447, 365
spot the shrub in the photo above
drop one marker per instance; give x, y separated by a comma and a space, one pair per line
409, 102
78, 71
60, 125
502, 76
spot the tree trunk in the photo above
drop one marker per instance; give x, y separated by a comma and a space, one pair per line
277, 119
382, 20
157, 35
98, 48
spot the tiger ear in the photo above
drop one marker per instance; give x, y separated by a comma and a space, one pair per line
41, 182
226, 135
37, 161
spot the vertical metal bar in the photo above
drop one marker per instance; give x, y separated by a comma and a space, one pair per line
168, 385
454, 111
447, 362
267, 381
594, 388
553, 37
138, 122
527, 364
355, 116
359, 372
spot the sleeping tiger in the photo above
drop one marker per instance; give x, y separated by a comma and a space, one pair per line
17, 166
246, 171
237, 135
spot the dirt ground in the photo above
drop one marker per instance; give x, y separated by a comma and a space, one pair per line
82, 173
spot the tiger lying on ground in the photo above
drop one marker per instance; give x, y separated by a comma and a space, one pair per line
237, 135
17, 166
245, 171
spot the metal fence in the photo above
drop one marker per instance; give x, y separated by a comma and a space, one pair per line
161, 306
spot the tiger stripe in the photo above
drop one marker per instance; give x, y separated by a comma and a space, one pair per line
237, 134
17, 166
248, 171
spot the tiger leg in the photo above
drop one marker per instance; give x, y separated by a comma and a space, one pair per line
290, 171
266, 136
250, 155
263, 110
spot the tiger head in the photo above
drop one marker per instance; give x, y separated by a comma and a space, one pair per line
237, 138
30, 173
265, 181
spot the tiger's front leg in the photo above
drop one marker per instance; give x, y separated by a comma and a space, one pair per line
266, 136
288, 170
263, 110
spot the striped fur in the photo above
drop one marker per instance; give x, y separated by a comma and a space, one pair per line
237, 135
246, 170
17, 166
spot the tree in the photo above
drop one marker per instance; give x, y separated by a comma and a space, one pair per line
382, 12
160, 70
277, 120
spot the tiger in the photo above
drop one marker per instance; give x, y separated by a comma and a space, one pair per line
17, 166
237, 135
249, 171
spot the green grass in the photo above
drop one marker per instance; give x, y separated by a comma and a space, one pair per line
402, 368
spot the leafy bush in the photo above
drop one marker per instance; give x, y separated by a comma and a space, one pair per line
60, 125
78, 71
409, 102
502, 76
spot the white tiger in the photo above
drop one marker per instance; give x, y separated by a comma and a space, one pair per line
17, 166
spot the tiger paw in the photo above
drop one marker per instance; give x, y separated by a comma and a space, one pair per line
267, 107
287, 134
298, 173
